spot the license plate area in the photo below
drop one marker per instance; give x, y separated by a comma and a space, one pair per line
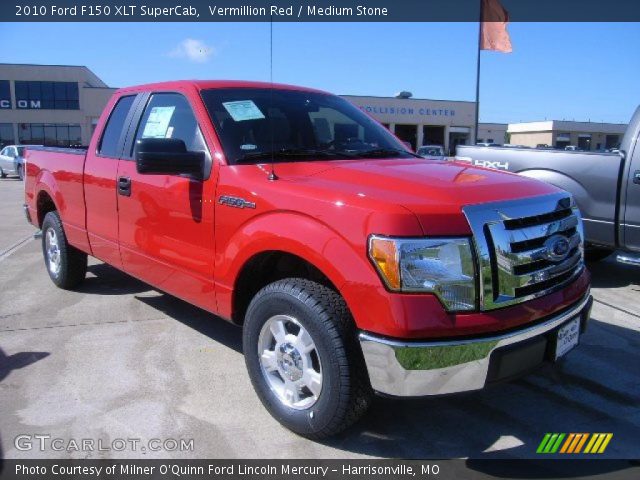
567, 338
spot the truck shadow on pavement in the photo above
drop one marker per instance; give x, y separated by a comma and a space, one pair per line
18, 360
107, 280
611, 274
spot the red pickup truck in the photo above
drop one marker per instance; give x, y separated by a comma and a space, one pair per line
352, 265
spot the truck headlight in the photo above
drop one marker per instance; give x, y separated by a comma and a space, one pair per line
442, 266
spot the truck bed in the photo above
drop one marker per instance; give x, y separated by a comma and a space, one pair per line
64, 169
592, 178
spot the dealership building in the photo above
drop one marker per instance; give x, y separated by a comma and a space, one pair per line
423, 121
560, 134
59, 105
56, 105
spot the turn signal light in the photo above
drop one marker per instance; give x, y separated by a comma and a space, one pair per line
384, 253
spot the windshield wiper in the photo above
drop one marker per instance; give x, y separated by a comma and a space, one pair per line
386, 152
291, 153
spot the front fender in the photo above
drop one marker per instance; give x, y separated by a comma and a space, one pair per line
340, 260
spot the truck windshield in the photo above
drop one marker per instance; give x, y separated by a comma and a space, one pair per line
261, 124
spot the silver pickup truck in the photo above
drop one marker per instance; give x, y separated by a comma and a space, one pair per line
606, 187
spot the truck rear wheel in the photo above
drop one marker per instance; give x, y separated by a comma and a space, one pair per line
303, 359
66, 265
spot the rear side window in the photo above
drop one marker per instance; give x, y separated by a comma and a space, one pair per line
115, 125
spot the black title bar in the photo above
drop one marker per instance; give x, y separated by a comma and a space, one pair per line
313, 10
313, 469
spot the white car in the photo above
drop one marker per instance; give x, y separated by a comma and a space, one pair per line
432, 152
12, 160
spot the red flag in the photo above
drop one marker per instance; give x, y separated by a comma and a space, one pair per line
494, 35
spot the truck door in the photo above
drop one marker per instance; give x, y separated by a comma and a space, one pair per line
100, 171
166, 221
632, 207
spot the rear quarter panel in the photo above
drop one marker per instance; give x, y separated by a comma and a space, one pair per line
58, 174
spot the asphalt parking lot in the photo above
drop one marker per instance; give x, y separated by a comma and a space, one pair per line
117, 359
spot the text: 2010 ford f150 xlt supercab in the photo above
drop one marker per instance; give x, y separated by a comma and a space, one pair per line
352, 265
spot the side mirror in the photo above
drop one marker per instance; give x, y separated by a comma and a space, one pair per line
167, 156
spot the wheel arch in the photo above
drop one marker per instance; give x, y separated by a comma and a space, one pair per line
44, 205
267, 267
319, 251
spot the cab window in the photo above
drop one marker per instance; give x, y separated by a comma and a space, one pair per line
169, 115
110, 141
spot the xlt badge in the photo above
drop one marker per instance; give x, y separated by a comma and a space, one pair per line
235, 202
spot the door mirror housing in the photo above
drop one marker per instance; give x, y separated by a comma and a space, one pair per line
168, 156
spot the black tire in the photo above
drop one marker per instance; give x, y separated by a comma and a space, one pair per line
72, 262
2, 174
19, 170
596, 254
346, 392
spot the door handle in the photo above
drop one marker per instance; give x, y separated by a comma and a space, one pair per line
636, 177
124, 186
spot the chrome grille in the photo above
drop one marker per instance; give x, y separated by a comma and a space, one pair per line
526, 248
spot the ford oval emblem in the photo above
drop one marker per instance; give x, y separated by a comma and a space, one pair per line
557, 248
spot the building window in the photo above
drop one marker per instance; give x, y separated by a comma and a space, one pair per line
6, 134
49, 135
47, 95
5, 94
612, 141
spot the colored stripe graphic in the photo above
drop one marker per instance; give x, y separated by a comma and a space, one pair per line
605, 443
568, 442
593, 439
598, 443
552, 442
543, 443
582, 442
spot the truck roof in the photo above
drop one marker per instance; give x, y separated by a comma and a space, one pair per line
212, 84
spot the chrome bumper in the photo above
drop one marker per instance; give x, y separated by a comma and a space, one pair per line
414, 369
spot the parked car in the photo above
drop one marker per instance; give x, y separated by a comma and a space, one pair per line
351, 267
432, 152
12, 160
487, 144
571, 148
606, 187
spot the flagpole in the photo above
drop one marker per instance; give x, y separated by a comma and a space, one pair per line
475, 133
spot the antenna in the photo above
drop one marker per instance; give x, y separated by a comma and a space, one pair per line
272, 172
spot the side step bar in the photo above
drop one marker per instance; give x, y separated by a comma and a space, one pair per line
628, 259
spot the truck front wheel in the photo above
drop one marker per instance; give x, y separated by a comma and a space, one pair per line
303, 359
66, 265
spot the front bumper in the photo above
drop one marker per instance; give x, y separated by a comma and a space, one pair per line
415, 369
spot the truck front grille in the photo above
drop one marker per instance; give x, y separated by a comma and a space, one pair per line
526, 248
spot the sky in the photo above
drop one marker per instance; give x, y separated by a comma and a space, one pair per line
572, 71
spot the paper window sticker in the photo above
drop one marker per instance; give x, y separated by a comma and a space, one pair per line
158, 122
242, 110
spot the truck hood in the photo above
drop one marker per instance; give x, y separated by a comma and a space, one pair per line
434, 191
